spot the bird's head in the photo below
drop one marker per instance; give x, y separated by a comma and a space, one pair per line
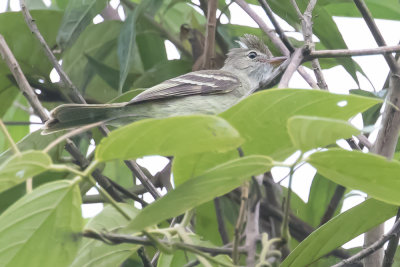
254, 60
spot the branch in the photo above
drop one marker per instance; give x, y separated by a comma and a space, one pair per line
394, 232
209, 45
355, 52
295, 62
362, 7
307, 35
63, 76
333, 204
220, 219
392, 247
22, 82
267, 30
116, 239
278, 28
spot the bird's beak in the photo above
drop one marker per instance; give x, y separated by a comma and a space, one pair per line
276, 61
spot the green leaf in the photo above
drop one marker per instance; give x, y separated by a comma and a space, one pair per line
127, 96
22, 166
320, 196
262, 118
338, 231
388, 9
213, 183
373, 174
98, 253
307, 132
24, 45
371, 115
42, 228
126, 48
36, 141
170, 136
77, 16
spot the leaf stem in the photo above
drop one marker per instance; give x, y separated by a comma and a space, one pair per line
108, 197
9, 138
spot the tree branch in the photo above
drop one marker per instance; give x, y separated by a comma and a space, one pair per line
119, 239
362, 7
77, 97
277, 27
295, 62
22, 82
394, 232
350, 53
209, 45
392, 247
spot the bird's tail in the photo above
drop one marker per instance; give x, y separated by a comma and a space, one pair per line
74, 115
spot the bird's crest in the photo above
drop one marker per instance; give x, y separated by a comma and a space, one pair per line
249, 41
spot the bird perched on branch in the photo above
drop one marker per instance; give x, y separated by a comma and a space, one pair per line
247, 69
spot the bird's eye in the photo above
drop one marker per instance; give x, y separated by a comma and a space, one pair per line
252, 55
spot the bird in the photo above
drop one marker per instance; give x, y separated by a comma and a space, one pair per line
247, 68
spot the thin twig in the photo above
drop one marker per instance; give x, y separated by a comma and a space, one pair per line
307, 24
274, 22
221, 223
362, 7
13, 146
240, 221
21, 123
356, 52
77, 97
373, 247
119, 239
391, 248
333, 203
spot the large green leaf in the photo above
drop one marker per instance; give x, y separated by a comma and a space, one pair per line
213, 183
338, 231
262, 118
308, 132
321, 192
97, 253
42, 228
22, 166
127, 38
373, 174
388, 9
77, 16
170, 136
99, 42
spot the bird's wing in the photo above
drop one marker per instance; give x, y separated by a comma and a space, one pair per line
194, 83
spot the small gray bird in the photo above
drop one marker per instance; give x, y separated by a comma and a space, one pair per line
247, 69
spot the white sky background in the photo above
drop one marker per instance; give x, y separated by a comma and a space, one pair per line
356, 36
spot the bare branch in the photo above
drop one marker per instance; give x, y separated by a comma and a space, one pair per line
392, 247
77, 97
362, 7
333, 204
295, 62
278, 28
355, 52
220, 219
119, 239
394, 232
209, 45
22, 82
